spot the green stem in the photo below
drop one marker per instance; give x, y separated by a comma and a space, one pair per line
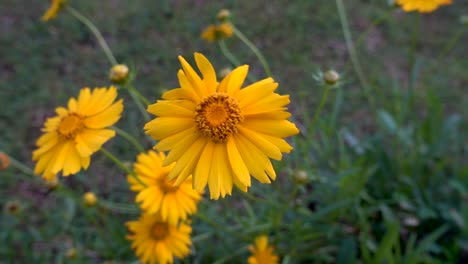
129, 138
227, 53
321, 104
352, 53
412, 58
102, 42
215, 225
139, 100
18, 165
120, 208
122, 166
255, 50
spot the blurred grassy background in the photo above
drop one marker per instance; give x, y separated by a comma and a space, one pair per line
43, 64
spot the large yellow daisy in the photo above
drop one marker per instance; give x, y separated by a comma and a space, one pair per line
71, 137
52, 11
262, 253
219, 133
156, 241
422, 6
173, 203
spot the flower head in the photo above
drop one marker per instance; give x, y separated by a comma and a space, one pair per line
71, 137
119, 73
422, 6
214, 33
4, 161
219, 133
173, 203
261, 252
53, 10
156, 241
90, 199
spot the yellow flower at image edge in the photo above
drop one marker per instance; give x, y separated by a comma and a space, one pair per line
261, 252
156, 241
219, 133
71, 137
52, 11
423, 6
173, 203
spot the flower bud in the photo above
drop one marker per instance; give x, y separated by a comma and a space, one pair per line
464, 20
90, 199
4, 161
52, 184
331, 77
71, 253
12, 207
224, 72
224, 15
301, 177
119, 73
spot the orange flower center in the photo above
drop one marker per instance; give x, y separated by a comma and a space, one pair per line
167, 186
159, 231
217, 116
70, 126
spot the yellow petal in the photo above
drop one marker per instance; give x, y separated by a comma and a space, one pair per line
236, 79
277, 128
208, 72
202, 171
162, 127
255, 94
238, 166
170, 142
262, 144
106, 118
197, 84
171, 108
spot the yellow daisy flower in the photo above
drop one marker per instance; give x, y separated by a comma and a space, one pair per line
156, 241
213, 33
173, 203
53, 10
219, 133
422, 6
261, 252
71, 137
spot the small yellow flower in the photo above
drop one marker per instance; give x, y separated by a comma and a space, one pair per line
261, 252
156, 241
90, 199
422, 6
71, 137
4, 161
173, 203
214, 33
119, 73
71, 253
219, 133
12, 207
53, 10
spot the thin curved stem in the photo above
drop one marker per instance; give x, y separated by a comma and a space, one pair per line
122, 166
129, 138
255, 50
231, 57
139, 100
102, 42
323, 100
227, 53
352, 53
20, 166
